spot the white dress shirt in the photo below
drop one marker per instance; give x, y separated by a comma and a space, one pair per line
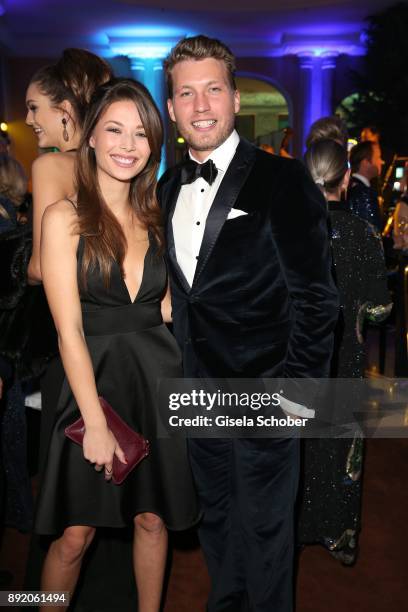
193, 205
362, 178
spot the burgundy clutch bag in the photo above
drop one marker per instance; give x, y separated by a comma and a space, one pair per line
133, 444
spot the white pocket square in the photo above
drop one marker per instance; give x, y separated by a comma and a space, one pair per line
235, 212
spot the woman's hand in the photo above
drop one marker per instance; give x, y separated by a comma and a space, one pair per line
100, 446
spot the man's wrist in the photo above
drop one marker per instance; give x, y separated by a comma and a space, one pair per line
296, 409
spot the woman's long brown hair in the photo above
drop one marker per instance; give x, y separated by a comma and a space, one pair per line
104, 239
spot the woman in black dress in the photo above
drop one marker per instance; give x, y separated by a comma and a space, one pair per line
332, 475
106, 285
57, 99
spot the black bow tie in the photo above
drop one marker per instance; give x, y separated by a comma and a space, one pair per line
191, 171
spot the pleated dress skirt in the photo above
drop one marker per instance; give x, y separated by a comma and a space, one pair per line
131, 350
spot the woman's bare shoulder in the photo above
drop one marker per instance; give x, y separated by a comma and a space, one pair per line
61, 214
54, 163
53, 176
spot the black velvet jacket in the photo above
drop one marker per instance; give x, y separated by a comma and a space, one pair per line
263, 301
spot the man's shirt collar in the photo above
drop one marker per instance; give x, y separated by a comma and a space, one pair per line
362, 178
223, 154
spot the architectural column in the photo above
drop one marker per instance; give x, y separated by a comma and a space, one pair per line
316, 88
149, 71
306, 97
328, 67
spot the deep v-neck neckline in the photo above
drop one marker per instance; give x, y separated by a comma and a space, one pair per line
141, 282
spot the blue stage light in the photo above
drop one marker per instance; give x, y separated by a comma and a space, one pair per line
153, 48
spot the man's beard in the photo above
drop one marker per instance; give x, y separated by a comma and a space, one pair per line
213, 142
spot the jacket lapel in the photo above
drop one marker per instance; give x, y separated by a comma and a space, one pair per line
171, 201
224, 200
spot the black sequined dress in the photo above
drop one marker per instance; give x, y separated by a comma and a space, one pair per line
331, 488
363, 202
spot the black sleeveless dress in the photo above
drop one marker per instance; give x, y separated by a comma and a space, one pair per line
131, 349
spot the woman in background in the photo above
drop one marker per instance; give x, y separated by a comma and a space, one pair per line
57, 99
328, 128
330, 507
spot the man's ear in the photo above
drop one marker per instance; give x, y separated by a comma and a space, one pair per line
363, 165
237, 101
171, 109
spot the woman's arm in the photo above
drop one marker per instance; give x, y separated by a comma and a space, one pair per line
52, 179
59, 271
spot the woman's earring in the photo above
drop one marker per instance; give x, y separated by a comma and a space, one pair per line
65, 134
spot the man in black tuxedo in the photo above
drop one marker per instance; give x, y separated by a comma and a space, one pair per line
362, 198
253, 296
